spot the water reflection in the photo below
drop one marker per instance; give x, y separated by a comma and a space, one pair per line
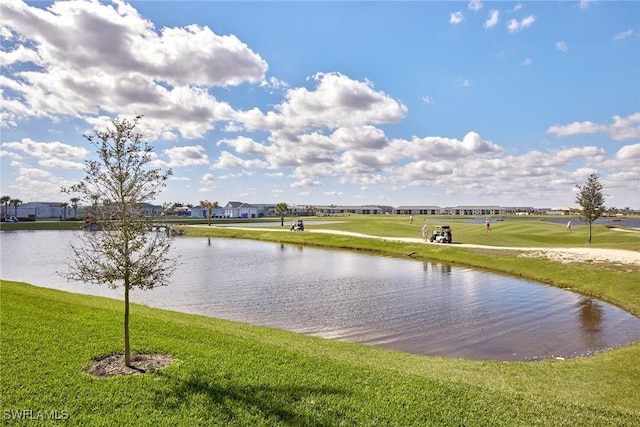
591, 314
437, 268
419, 307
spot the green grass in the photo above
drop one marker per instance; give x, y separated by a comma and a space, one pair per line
230, 373
538, 231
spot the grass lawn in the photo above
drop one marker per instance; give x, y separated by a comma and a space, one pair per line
227, 373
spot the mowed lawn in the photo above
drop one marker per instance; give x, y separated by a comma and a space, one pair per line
227, 373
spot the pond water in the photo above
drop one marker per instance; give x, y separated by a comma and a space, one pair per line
404, 304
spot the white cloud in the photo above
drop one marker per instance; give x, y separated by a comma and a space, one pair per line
207, 178
245, 145
47, 149
147, 67
622, 128
475, 5
186, 156
274, 84
10, 155
575, 128
623, 35
336, 101
36, 184
456, 18
306, 183
629, 152
584, 4
492, 20
61, 164
562, 46
514, 25
527, 61
227, 160
625, 128
427, 99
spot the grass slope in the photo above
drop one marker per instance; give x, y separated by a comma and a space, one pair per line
228, 373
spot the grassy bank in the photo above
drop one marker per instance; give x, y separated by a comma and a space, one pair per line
230, 373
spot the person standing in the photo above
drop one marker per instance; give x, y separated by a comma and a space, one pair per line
410, 219
425, 232
487, 225
569, 226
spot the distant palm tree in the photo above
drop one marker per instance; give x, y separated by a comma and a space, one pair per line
209, 206
74, 202
15, 203
5, 202
64, 209
281, 209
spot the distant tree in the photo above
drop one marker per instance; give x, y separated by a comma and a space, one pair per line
63, 206
15, 203
591, 199
209, 206
5, 202
74, 203
281, 209
123, 252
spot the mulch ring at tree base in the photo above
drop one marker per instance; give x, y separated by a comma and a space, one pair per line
113, 364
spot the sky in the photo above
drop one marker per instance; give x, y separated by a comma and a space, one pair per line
444, 103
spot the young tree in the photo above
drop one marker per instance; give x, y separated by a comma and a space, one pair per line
281, 209
591, 199
123, 252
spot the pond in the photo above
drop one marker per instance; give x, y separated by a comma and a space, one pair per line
403, 304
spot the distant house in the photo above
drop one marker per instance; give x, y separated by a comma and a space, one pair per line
477, 210
240, 210
151, 210
200, 212
41, 210
343, 210
419, 210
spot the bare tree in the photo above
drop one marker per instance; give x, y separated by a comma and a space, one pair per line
123, 252
591, 199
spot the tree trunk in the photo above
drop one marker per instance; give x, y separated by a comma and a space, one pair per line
589, 232
127, 349
282, 221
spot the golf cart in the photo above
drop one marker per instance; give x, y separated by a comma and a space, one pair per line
297, 226
441, 234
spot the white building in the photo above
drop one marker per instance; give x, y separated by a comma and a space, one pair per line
240, 210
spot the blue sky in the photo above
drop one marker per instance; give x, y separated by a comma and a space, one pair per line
352, 102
